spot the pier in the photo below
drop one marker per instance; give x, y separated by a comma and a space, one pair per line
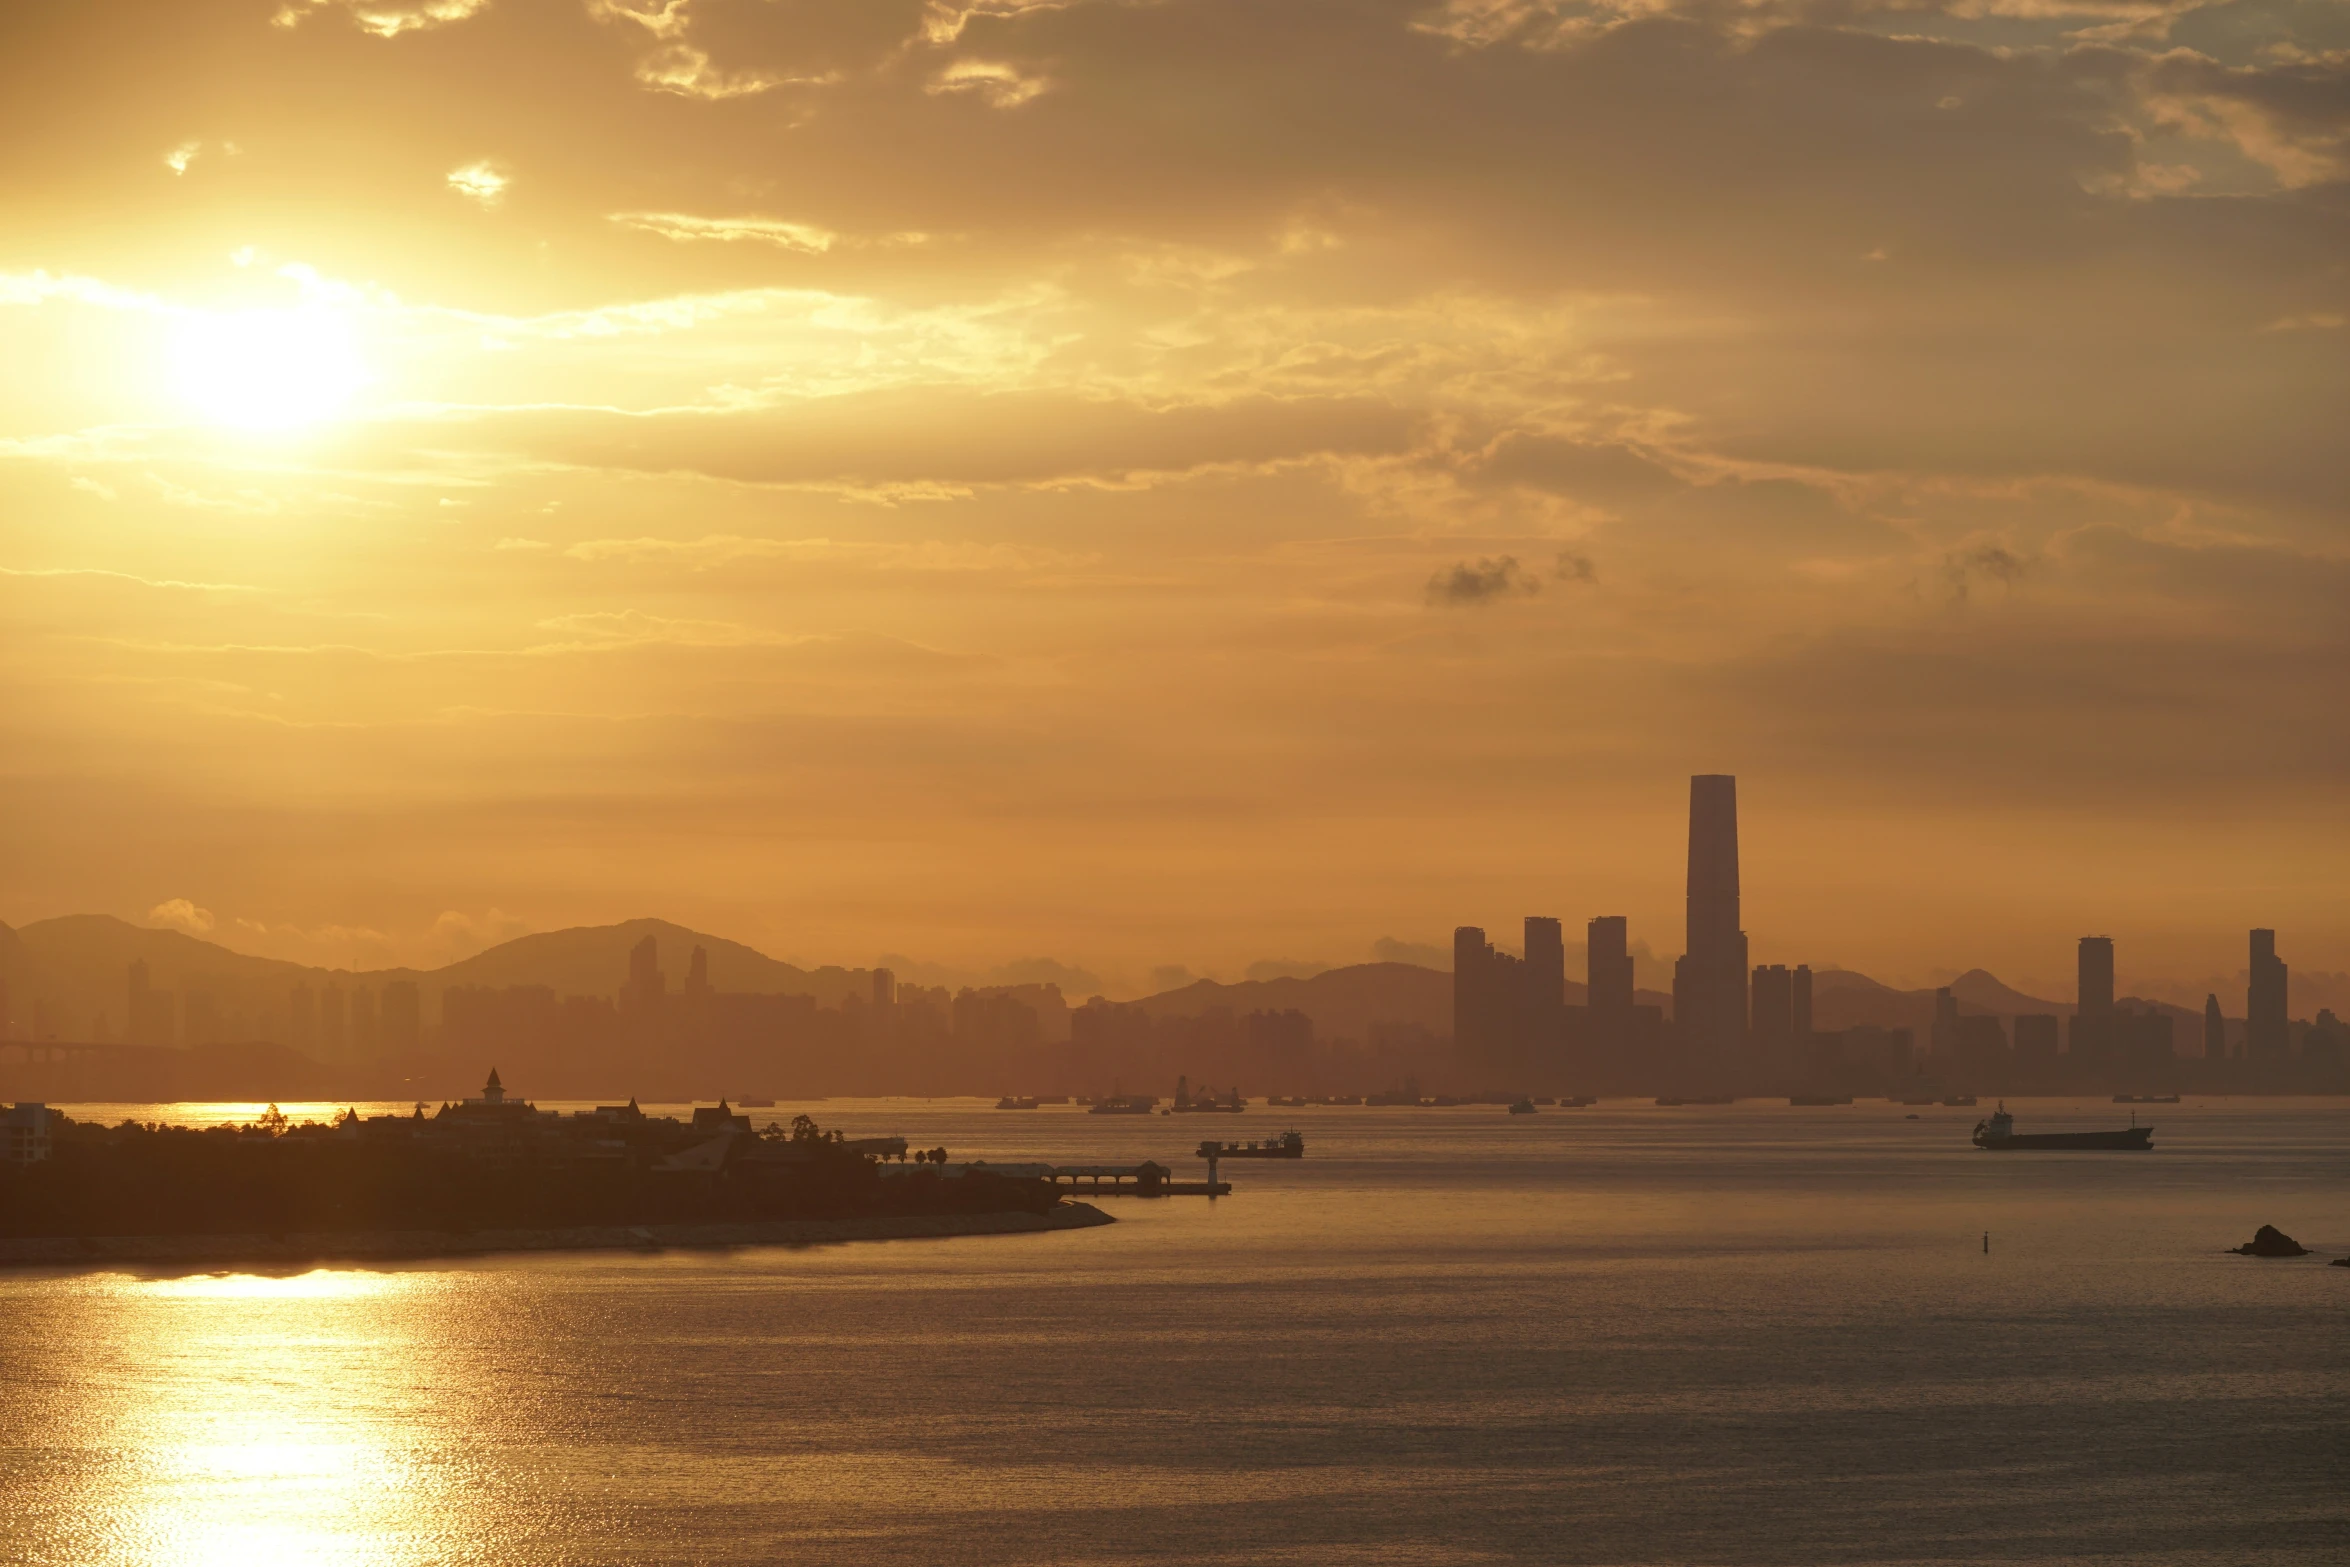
1147, 1179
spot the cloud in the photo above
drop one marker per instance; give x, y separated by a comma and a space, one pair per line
1486, 580
178, 159
931, 555
631, 627
684, 229
384, 18
1574, 566
181, 914
481, 183
1387, 949
999, 85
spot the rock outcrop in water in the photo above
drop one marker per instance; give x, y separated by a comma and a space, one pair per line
2269, 1241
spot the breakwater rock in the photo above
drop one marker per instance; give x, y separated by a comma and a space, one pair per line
409, 1245
2269, 1241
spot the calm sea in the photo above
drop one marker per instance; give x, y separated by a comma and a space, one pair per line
1751, 1334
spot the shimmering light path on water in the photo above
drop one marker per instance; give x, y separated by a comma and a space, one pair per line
1751, 1334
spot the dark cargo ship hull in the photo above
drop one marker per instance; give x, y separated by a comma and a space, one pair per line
2129, 1137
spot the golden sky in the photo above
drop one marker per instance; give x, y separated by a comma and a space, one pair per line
1184, 482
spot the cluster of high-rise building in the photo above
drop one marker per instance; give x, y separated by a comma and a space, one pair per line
1734, 1025
333, 1023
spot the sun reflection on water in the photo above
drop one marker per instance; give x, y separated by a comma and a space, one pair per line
265, 1419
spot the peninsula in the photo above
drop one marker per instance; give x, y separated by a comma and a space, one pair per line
490, 1174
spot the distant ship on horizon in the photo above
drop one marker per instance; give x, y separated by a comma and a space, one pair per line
1998, 1135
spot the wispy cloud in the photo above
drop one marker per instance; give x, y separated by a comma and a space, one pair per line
999, 85
686, 228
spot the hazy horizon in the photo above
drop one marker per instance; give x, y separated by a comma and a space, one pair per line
1195, 484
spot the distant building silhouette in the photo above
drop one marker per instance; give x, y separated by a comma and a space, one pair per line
1488, 990
365, 1041
151, 1014
1544, 1017
2036, 1035
334, 1040
403, 1020
2215, 1030
1709, 981
302, 1019
2093, 1023
647, 986
2267, 1032
885, 989
1771, 1009
697, 973
1607, 979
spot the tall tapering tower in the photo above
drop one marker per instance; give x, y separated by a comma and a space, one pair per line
1709, 982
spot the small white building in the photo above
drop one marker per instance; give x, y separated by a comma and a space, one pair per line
24, 1134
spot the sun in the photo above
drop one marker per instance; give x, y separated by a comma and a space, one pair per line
268, 369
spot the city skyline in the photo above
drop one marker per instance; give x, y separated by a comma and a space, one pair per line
435, 513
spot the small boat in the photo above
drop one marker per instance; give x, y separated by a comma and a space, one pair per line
1015, 1102
1998, 1135
2145, 1099
1576, 1102
1521, 1106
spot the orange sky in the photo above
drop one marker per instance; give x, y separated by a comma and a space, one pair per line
1178, 483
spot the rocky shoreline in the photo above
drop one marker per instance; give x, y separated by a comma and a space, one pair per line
410, 1245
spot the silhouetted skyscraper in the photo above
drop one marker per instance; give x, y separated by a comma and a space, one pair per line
1799, 1002
1771, 1010
1709, 981
1607, 979
697, 973
1545, 1003
885, 988
2215, 1030
2093, 1026
1489, 992
647, 986
2267, 1033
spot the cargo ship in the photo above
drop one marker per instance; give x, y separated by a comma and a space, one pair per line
1999, 1135
1015, 1102
1289, 1145
1124, 1104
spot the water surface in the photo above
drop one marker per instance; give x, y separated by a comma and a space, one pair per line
1751, 1334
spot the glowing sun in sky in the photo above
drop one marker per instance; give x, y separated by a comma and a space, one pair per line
267, 369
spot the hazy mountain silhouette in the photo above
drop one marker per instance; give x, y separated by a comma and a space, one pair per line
592, 960
77, 966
